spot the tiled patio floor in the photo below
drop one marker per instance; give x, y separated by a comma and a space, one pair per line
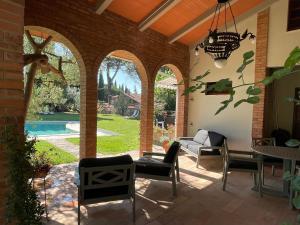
200, 200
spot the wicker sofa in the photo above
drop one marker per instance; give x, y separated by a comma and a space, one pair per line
204, 143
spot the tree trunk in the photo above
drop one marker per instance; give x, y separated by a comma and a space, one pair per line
29, 86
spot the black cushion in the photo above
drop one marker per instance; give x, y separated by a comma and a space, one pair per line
172, 152
239, 164
281, 136
213, 152
105, 192
144, 168
215, 138
109, 161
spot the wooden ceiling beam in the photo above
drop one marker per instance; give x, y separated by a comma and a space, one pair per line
102, 5
195, 23
157, 13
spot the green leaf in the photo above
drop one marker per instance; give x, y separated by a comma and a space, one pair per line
226, 102
249, 61
267, 80
280, 73
200, 77
253, 100
296, 202
241, 68
253, 90
222, 85
189, 90
293, 59
239, 102
248, 55
287, 176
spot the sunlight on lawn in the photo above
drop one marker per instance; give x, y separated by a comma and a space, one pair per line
56, 155
127, 140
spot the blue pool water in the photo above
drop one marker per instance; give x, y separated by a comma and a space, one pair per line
47, 128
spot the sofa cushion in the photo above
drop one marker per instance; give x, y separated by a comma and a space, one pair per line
215, 139
186, 143
201, 136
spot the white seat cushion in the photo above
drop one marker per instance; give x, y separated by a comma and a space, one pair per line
201, 136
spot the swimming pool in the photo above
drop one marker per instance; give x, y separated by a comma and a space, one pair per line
48, 128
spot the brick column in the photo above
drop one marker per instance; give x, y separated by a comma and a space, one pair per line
147, 109
88, 112
260, 70
11, 77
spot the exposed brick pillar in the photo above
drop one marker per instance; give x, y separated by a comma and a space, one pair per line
260, 70
181, 112
88, 112
146, 127
11, 77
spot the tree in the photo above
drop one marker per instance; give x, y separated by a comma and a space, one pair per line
121, 104
111, 66
49, 92
100, 87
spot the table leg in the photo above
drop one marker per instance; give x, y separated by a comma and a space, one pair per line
293, 170
286, 184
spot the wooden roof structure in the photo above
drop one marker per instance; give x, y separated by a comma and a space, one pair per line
186, 21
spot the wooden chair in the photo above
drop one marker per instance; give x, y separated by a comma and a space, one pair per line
267, 160
165, 168
106, 179
242, 161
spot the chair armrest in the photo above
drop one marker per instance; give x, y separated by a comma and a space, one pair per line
185, 138
153, 153
211, 147
245, 159
148, 163
241, 152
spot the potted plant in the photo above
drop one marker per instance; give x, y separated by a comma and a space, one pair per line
41, 165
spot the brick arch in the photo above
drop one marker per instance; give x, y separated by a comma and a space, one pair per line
181, 100
61, 38
146, 129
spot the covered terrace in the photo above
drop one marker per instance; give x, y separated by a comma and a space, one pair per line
152, 34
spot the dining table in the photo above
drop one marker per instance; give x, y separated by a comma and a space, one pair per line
289, 156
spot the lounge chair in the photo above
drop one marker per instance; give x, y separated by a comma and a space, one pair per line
166, 168
105, 179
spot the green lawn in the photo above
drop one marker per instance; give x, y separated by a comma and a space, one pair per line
56, 155
129, 138
59, 117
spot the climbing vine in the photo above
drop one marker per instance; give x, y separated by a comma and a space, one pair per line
22, 204
254, 89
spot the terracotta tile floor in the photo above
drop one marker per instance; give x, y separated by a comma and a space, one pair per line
200, 200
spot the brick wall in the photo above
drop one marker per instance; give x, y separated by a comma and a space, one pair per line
261, 70
95, 36
11, 76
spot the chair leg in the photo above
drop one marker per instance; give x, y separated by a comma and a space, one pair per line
293, 170
174, 182
198, 159
260, 179
224, 179
133, 207
78, 213
263, 174
177, 170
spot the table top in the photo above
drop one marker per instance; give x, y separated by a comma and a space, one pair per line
278, 152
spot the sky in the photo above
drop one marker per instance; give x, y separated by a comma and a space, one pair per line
121, 78
125, 79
